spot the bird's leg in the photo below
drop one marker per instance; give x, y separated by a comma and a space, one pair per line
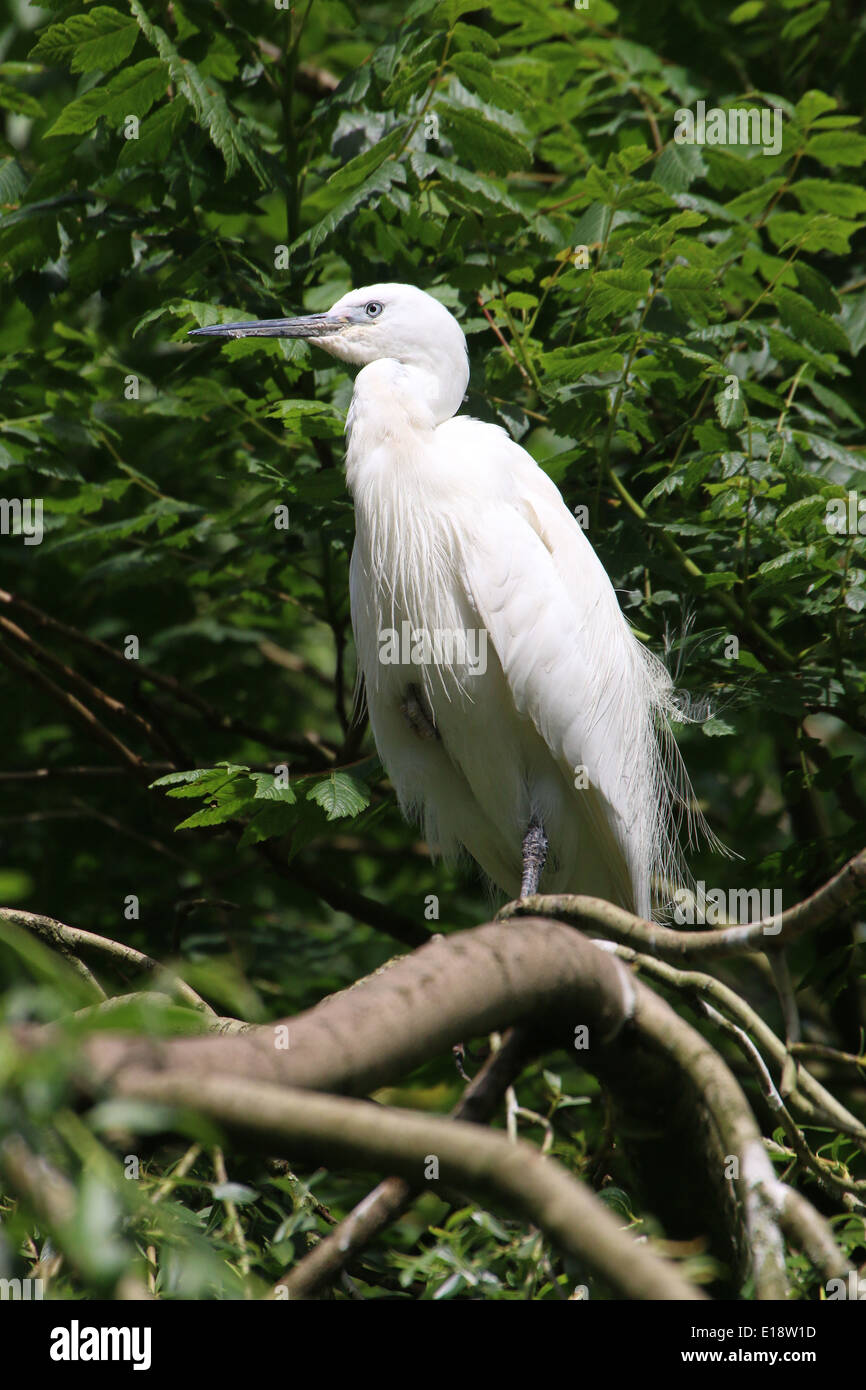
417, 715
534, 856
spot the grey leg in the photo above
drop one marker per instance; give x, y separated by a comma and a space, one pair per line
534, 856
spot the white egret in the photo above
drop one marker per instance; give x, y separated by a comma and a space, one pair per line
515, 712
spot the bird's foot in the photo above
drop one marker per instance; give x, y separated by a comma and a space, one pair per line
415, 712
535, 845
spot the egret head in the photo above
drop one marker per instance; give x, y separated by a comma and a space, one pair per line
392, 321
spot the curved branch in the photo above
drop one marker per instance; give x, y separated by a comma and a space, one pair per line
352, 1133
600, 918
677, 1093
63, 937
391, 1197
813, 1100
457, 987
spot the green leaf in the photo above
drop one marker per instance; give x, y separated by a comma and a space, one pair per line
13, 182
380, 182
339, 795
409, 82
817, 289
157, 134
813, 104
678, 166
614, 293
786, 565
812, 232
804, 22
311, 419
131, 93
837, 147
462, 181
717, 728
799, 514
102, 38
730, 410
267, 789
12, 98
223, 809
205, 97
172, 779
807, 322
594, 355
821, 195
487, 142
693, 292
854, 320
353, 174
750, 9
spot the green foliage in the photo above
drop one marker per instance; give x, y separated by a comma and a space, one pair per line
678, 339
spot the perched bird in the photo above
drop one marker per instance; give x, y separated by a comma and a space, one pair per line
514, 710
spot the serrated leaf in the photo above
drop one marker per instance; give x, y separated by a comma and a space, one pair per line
12, 98
796, 516
486, 143
717, 728
454, 176
791, 560
730, 410
594, 355
678, 166
801, 316
131, 92
616, 292
380, 182
854, 319
303, 417
229, 809
812, 232
823, 195
353, 173
694, 292
102, 38
813, 104
205, 97
172, 779
273, 819
267, 789
817, 288
156, 134
339, 795
13, 182
837, 147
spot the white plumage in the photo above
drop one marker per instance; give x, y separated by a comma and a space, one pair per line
460, 532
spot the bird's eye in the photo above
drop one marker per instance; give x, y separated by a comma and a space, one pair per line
373, 309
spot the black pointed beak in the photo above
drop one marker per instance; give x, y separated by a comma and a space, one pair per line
310, 326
